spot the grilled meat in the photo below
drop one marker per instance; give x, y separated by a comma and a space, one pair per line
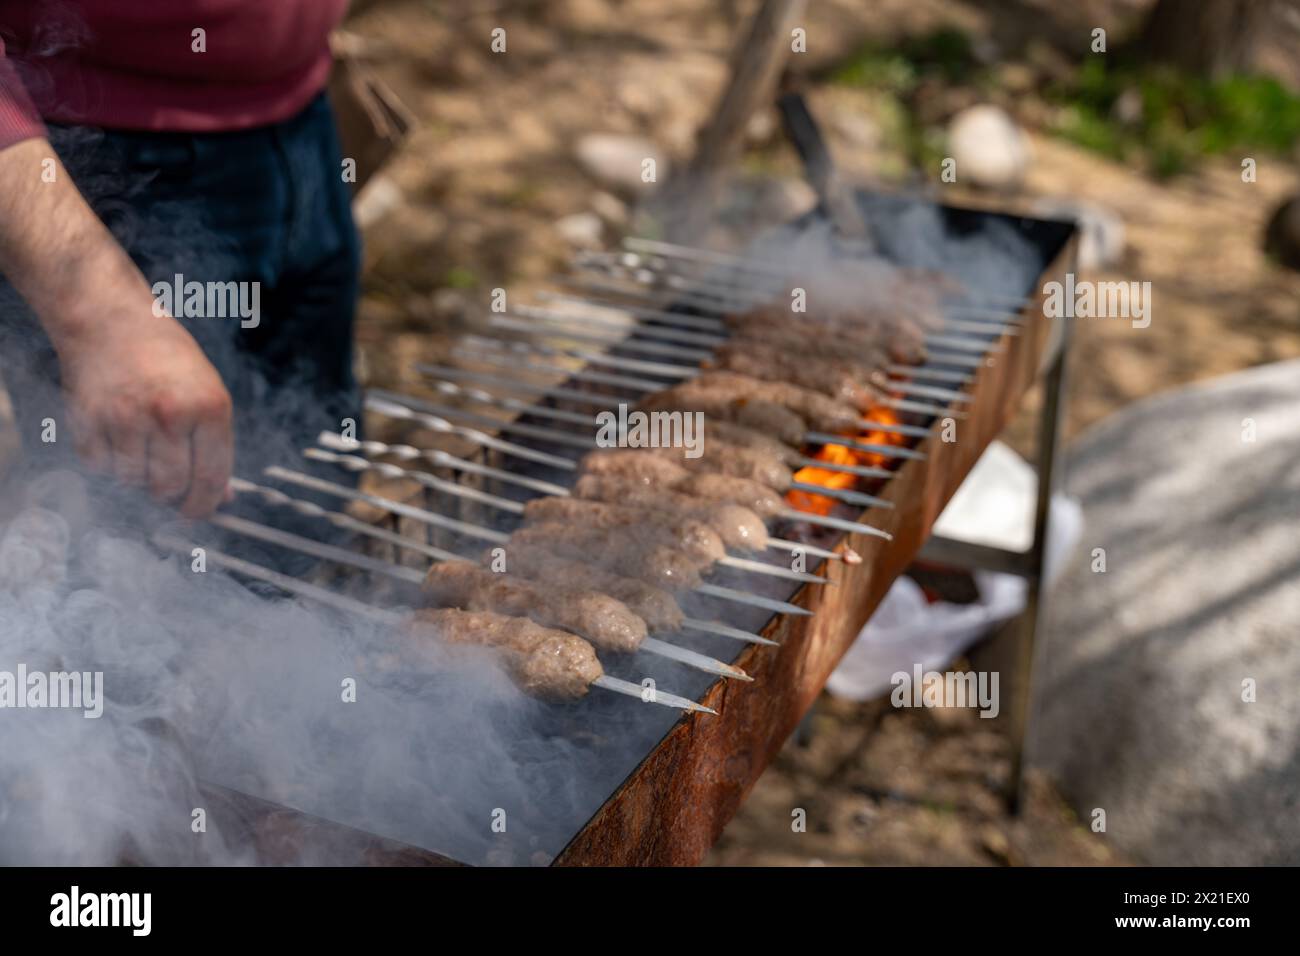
740, 436
603, 620
650, 470
543, 661
825, 336
755, 496
819, 412
657, 607
635, 553
766, 417
737, 526
721, 457
859, 382
695, 538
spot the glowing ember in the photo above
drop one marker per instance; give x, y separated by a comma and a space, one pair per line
842, 455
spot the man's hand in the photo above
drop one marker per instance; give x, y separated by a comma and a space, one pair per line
146, 404
148, 408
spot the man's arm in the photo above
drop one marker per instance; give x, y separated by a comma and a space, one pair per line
146, 405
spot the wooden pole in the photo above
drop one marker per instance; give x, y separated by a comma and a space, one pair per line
756, 64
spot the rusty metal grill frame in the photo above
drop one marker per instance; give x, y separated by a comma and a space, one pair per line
713, 761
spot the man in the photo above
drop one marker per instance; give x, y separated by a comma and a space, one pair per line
146, 146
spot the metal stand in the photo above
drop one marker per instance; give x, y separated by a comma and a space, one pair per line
1020, 635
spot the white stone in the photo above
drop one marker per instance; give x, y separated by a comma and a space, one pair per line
616, 161
991, 150
582, 229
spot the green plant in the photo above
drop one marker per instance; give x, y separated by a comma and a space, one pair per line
1170, 120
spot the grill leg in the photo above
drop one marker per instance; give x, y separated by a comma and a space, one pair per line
1022, 656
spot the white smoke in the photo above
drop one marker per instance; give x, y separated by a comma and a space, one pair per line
209, 683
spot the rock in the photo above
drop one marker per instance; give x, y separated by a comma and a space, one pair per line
582, 229
1101, 230
991, 150
616, 161
379, 197
1282, 235
611, 209
762, 127
1142, 671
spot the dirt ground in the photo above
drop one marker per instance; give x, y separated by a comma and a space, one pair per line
475, 198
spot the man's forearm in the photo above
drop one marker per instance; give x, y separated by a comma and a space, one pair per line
53, 248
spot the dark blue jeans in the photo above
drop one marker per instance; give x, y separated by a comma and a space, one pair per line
264, 206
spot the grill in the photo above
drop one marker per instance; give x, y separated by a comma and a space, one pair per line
633, 321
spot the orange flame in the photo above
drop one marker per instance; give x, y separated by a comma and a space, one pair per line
842, 455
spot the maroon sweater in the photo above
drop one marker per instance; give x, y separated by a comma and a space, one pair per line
135, 64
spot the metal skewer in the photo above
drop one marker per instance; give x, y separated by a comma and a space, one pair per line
822, 438
599, 359
826, 521
585, 419
393, 410
389, 470
903, 388
544, 326
771, 267
316, 549
543, 433
336, 442
620, 686
929, 374
663, 274
328, 552
718, 305
374, 449
724, 630
683, 655
389, 618
642, 385
743, 597
703, 323
356, 463
276, 497
496, 355
590, 444
590, 421
385, 504
477, 531
682, 336
170, 542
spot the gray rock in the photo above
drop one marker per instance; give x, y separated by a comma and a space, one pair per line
616, 161
582, 229
1139, 704
611, 209
1101, 230
991, 150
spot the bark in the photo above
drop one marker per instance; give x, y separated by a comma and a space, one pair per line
1214, 37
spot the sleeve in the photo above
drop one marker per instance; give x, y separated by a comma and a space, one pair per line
18, 117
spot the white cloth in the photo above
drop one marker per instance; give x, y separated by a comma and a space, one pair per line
994, 506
